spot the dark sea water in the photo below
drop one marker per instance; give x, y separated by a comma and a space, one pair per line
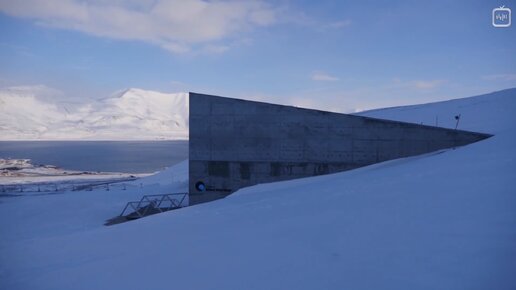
113, 156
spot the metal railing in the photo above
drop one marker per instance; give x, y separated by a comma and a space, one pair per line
152, 204
48, 187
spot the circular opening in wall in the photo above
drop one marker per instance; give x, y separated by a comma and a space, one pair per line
200, 186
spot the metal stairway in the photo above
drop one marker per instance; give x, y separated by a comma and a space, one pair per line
149, 205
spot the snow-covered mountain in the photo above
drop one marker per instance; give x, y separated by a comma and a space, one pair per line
133, 114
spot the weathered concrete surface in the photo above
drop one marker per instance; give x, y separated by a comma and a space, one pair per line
237, 143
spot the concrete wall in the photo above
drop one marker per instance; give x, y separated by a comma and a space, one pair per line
237, 143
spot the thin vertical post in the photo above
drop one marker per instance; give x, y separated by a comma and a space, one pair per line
458, 119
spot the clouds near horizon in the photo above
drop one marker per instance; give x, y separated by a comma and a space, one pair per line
323, 76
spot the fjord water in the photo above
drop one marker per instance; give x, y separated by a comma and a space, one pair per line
108, 156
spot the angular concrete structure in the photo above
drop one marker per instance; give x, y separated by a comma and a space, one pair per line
237, 143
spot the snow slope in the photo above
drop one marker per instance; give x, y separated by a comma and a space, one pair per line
130, 114
33, 217
443, 220
490, 113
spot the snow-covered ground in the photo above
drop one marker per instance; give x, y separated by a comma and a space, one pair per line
25, 114
443, 220
33, 216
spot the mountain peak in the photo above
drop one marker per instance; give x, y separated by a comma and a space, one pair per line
141, 93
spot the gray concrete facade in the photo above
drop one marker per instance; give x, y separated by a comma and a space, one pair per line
237, 143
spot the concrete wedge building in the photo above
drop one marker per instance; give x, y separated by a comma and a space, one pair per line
237, 143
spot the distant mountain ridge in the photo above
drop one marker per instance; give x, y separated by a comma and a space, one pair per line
133, 114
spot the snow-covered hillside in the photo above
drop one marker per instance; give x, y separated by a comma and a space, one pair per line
130, 114
490, 113
443, 220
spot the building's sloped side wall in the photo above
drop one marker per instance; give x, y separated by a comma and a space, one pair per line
237, 143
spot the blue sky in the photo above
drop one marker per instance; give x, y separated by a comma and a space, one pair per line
333, 55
